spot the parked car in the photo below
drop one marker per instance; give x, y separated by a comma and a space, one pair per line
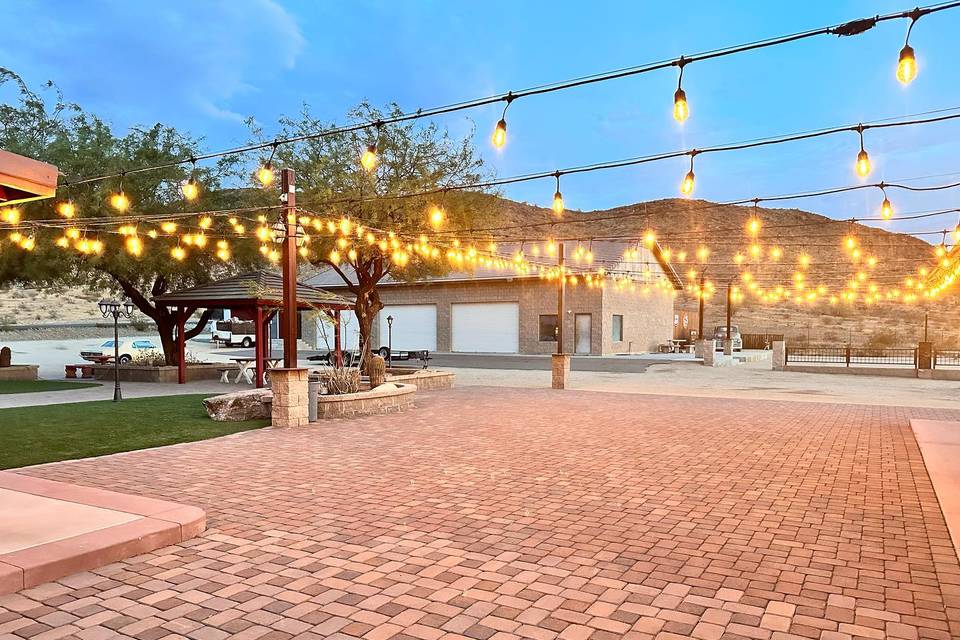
720, 334
233, 333
129, 348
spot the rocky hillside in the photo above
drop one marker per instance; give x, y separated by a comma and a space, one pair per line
685, 225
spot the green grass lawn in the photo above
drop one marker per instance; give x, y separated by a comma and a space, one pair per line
31, 435
33, 386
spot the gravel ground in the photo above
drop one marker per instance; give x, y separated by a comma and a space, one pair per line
67, 333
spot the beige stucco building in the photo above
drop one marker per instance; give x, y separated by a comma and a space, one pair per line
495, 312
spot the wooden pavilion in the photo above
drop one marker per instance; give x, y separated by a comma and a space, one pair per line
256, 296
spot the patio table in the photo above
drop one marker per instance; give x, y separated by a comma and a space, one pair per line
247, 365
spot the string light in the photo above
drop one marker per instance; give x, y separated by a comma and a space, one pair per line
11, 215
265, 174
134, 245
557, 198
863, 159
437, 216
189, 188
686, 187
681, 111
886, 209
119, 200
178, 253
907, 63
369, 158
500, 131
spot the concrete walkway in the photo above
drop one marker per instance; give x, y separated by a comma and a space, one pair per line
517, 513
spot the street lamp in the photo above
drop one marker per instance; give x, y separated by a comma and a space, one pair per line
116, 309
390, 341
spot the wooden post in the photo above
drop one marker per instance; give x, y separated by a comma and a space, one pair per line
258, 347
181, 347
289, 316
337, 352
561, 286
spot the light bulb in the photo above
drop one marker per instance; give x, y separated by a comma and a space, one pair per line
863, 163
66, 208
557, 203
190, 189
265, 174
369, 158
11, 215
437, 217
119, 201
907, 66
178, 253
500, 134
205, 222
681, 111
886, 209
134, 245
686, 187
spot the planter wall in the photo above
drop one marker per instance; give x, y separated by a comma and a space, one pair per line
387, 398
19, 372
423, 379
128, 373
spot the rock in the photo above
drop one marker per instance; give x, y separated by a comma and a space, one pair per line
238, 406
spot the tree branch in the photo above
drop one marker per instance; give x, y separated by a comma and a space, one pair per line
200, 326
135, 296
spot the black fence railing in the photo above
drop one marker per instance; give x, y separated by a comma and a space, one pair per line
760, 340
946, 358
850, 356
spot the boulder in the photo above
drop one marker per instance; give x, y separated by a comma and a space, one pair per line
238, 406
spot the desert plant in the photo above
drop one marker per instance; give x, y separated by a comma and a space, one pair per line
883, 339
377, 368
156, 358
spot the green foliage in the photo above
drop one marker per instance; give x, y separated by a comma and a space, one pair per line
33, 435
80, 144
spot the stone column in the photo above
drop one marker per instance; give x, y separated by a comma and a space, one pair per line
727, 347
560, 370
709, 353
698, 348
779, 355
290, 394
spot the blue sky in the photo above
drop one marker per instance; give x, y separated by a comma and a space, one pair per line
204, 66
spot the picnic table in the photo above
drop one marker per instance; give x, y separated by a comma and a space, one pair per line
248, 368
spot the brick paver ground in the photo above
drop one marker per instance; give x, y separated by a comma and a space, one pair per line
512, 513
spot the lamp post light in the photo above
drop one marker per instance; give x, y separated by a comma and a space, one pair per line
390, 341
116, 309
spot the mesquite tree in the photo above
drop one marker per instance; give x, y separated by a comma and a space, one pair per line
412, 156
47, 128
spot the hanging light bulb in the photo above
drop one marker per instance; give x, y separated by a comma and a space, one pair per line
190, 189
500, 131
863, 159
557, 197
369, 157
134, 245
681, 111
886, 209
686, 186
265, 174
11, 215
178, 253
907, 63
66, 208
437, 216
119, 201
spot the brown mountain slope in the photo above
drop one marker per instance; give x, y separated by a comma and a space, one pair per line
684, 225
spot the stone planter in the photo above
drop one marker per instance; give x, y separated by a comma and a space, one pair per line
19, 372
386, 398
423, 379
132, 373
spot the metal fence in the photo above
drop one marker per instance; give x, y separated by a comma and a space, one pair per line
848, 356
946, 358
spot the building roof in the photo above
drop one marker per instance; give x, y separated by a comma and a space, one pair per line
606, 253
24, 179
256, 288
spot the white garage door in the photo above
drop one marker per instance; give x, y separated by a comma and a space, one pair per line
486, 327
414, 327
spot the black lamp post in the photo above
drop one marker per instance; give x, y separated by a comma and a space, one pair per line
390, 341
116, 309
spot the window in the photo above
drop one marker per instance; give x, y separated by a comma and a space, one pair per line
548, 328
618, 328
108, 343
143, 344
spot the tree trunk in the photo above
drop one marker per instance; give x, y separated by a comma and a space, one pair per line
167, 329
367, 307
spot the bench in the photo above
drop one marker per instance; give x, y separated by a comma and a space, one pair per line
86, 370
225, 374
